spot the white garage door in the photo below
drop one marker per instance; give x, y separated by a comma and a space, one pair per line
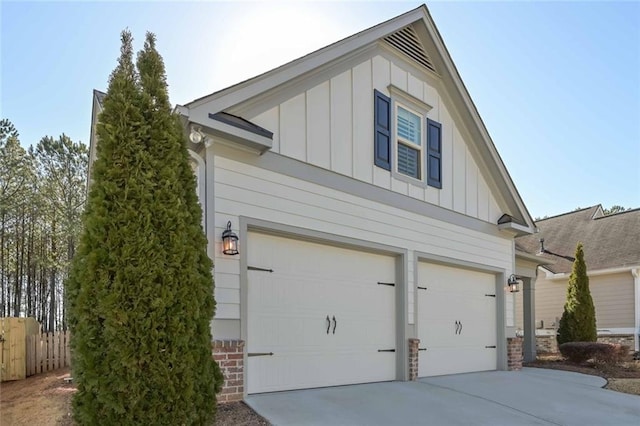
456, 320
325, 316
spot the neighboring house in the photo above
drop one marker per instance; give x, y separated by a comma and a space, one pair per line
372, 210
612, 255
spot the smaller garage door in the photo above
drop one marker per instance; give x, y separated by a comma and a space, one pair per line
456, 320
318, 315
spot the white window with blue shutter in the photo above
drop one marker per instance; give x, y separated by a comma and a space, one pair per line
406, 139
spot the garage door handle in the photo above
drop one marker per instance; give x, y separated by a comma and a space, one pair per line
335, 323
328, 324
460, 331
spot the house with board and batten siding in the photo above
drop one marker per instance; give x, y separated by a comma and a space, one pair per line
376, 220
611, 246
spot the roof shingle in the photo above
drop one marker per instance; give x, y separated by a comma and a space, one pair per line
609, 241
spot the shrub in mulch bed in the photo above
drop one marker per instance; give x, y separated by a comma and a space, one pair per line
600, 353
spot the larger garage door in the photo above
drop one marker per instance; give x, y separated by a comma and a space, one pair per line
318, 315
457, 320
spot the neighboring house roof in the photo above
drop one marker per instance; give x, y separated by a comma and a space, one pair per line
415, 35
611, 241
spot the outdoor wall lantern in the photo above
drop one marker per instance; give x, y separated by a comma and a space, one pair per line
513, 283
229, 241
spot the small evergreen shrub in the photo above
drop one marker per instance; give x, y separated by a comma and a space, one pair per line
578, 322
601, 353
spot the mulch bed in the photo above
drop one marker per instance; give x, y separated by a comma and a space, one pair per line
238, 414
626, 370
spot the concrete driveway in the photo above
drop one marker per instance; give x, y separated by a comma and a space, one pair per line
529, 397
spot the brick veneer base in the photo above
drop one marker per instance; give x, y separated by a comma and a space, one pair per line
514, 353
413, 358
549, 344
229, 354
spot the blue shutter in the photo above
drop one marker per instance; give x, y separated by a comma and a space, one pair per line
382, 130
434, 154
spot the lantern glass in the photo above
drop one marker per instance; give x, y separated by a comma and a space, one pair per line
229, 241
513, 284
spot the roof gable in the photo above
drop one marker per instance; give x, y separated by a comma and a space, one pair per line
610, 241
413, 35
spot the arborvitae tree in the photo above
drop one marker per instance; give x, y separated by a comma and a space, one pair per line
141, 289
578, 322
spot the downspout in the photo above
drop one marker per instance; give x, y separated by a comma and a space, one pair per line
636, 287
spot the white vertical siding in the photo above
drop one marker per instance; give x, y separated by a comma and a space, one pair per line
341, 121
319, 125
362, 122
293, 135
330, 125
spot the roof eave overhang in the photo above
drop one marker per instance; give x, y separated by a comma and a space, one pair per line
533, 258
551, 276
516, 229
224, 132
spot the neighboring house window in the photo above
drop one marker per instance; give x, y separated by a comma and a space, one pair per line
416, 152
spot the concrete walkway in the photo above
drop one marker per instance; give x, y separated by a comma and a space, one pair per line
529, 397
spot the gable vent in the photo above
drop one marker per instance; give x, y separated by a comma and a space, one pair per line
407, 42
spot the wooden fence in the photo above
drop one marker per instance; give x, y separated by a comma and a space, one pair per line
47, 351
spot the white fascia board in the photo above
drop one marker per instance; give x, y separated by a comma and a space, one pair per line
593, 273
515, 229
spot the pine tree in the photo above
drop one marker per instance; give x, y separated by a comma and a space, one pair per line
578, 322
141, 290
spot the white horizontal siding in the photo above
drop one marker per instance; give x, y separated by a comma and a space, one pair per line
243, 190
331, 125
612, 297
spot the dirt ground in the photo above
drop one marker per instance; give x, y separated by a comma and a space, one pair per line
45, 400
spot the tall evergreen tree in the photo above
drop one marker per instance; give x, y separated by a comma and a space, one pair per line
141, 289
578, 322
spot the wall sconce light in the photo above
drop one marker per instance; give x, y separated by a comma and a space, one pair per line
196, 135
229, 241
513, 283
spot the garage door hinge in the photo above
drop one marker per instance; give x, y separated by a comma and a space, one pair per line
390, 284
422, 349
255, 268
490, 295
490, 347
386, 350
260, 354
422, 288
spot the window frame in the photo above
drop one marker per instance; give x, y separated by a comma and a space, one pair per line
397, 139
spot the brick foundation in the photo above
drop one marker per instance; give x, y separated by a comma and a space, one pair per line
546, 345
229, 354
549, 344
413, 358
618, 339
514, 353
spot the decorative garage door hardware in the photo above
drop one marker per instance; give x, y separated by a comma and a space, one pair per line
386, 350
422, 288
490, 295
422, 349
458, 327
255, 268
490, 347
335, 324
260, 354
390, 284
